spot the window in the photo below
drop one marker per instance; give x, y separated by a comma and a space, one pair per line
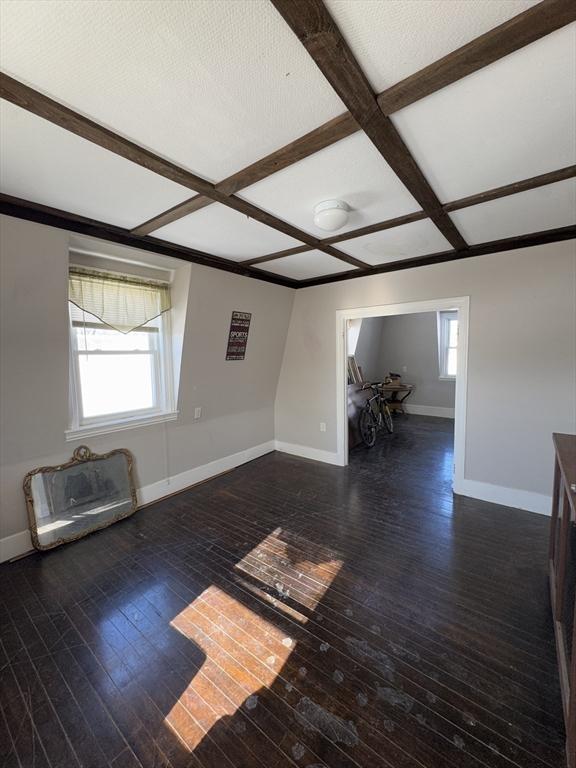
448, 344
121, 368
353, 329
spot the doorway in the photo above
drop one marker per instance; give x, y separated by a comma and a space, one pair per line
459, 306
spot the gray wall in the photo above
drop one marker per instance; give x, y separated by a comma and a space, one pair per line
368, 351
522, 348
237, 397
411, 341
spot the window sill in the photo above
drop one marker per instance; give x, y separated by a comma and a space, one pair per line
118, 426
447, 378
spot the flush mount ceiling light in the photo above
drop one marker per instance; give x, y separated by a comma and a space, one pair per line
331, 215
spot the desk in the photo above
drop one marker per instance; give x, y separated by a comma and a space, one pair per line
396, 395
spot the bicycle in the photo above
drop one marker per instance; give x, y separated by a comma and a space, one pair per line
374, 416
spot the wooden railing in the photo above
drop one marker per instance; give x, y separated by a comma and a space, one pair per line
563, 579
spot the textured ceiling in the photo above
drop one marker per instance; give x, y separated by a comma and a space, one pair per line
224, 232
51, 166
210, 84
392, 39
509, 121
215, 85
351, 170
409, 240
305, 266
531, 211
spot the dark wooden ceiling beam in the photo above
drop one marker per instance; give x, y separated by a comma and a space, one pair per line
320, 138
494, 246
37, 103
276, 255
517, 32
312, 142
483, 197
54, 217
512, 189
351, 234
178, 211
379, 226
523, 29
312, 24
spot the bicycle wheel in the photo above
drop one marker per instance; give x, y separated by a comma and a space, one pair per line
387, 417
367, 428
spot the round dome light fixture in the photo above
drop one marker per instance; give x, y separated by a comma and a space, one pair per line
331, 215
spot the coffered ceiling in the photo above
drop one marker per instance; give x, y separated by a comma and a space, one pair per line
41, 162
352, 169
209, 129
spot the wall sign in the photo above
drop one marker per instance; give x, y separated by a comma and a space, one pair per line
238, 336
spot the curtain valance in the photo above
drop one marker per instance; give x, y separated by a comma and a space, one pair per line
123, 303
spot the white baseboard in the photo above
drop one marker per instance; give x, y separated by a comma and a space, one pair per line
497, 494
430, 410
507, 497
149, 493
19, 543
15, 545
305, 452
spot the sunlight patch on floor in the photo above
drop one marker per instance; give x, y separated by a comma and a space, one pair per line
246, 652
288, 571
218, 624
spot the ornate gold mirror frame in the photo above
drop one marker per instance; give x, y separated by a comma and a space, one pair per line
86, 494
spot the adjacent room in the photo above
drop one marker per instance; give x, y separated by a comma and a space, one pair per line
287, 383
400, 364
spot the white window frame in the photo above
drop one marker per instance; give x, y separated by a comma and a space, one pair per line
164, 407
443, 319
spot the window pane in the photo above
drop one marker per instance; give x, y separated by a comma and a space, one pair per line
451, 362
453, 333
109, 340
116, 383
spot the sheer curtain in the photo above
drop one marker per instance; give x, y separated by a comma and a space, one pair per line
123, 303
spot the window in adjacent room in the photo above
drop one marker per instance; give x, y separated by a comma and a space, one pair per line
448, 344
121, 368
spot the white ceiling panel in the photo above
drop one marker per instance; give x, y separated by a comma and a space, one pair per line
351, 170
532, 211
48, 165
305, 266
419, 238
509, 121
211, 84
224, 232
392, 40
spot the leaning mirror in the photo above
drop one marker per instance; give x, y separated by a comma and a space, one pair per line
89, 492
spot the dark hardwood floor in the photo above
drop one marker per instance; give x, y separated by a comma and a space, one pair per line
290, 613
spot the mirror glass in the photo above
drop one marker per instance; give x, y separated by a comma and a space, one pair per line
88, 493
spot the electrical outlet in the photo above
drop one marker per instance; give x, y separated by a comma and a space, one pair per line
197, 412
404, 369
322, 426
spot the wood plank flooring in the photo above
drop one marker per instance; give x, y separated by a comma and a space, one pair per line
288, 614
